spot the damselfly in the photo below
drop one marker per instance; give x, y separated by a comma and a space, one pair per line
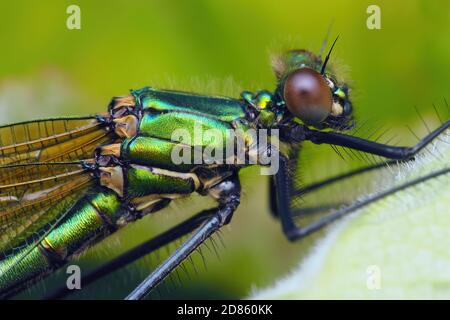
66, 183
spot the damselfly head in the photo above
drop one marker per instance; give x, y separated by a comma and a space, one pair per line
310, 92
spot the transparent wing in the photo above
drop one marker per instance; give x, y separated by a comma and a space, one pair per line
50, 140
24, 221
41, 176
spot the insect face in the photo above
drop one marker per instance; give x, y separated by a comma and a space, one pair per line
341, 115
307, 96
310, 95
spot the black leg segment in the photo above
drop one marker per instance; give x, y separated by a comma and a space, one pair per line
284, 191
391, 152
136, 253
283, 196
325, 221
353, 173
229, 198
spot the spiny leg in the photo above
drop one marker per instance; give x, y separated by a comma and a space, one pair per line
283, 186
323, 222
284, 191
341, 177
323, 183
384, 150
318, 137
135, 253
228, 193
273, 197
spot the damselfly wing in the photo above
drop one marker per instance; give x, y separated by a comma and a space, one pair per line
41, 177
66, 183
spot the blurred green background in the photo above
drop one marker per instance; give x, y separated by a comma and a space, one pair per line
214, 47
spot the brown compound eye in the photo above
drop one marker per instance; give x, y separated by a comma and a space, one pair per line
308, 96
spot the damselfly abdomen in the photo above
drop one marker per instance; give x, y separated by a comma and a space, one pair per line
67, 183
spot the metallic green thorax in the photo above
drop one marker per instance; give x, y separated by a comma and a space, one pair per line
220, 108
146, 151
143, 178
163, 112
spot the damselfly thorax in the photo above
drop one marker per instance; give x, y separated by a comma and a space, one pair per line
122, 160
66, 183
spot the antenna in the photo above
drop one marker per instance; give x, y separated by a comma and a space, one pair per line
322, 71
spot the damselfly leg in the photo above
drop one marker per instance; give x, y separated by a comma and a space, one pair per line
387, 151
228, 196
320, 184
187, 227
297, 233
284, 188
315, 186
137, 252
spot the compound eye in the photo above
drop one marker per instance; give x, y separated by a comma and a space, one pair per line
308, 96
